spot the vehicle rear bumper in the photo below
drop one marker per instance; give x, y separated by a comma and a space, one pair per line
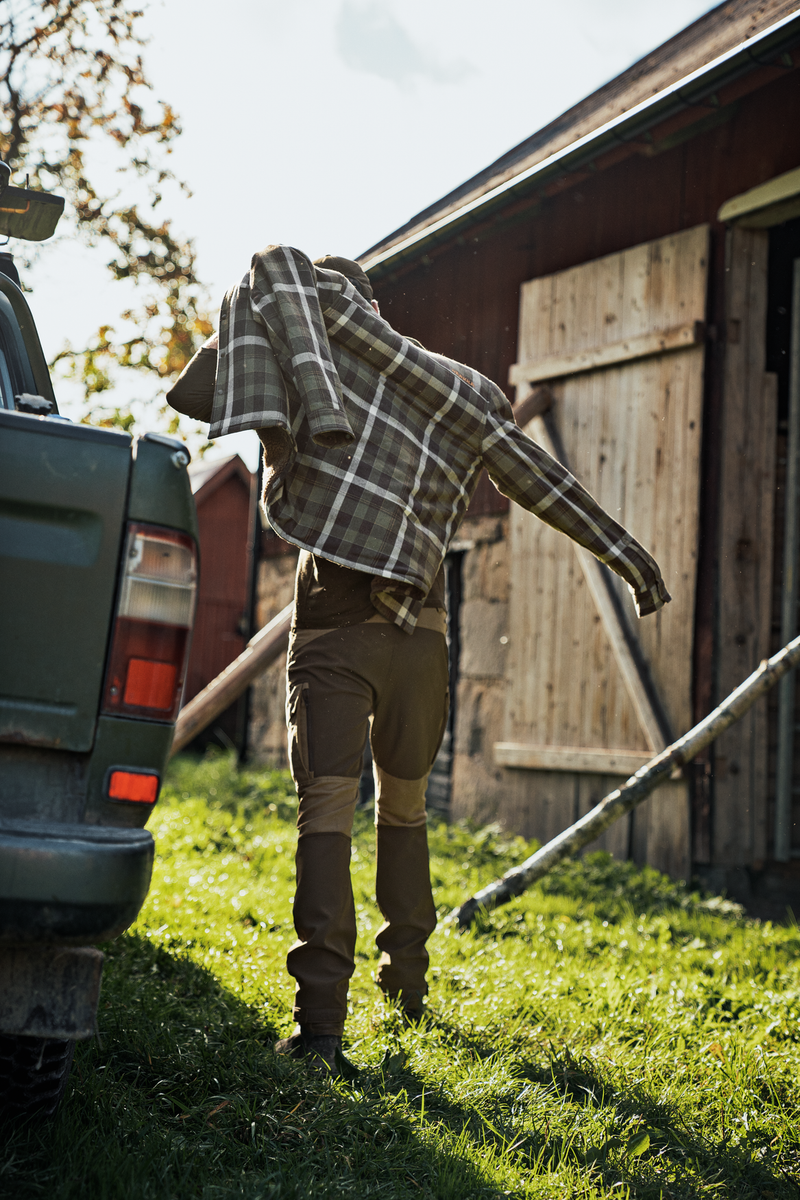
72, 884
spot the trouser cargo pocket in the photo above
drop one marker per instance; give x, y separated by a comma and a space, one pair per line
297, 722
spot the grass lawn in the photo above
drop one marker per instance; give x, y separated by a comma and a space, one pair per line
608, 1034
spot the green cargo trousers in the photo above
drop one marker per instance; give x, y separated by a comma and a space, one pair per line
338, 682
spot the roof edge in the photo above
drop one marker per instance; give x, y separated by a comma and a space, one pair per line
217, 472
681, 94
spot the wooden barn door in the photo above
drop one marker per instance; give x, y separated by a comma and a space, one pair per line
616, 348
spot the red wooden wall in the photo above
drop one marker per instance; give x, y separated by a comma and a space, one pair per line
462, 298
223, 494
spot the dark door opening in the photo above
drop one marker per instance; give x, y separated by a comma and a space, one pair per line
784, 818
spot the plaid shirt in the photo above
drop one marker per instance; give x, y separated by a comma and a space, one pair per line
386, 440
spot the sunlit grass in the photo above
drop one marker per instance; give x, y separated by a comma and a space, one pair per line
608, 1034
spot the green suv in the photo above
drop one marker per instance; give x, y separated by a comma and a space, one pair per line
98, 574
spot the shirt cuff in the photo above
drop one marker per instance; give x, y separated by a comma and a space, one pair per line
651, 599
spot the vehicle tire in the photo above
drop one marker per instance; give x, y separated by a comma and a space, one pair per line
33, 1075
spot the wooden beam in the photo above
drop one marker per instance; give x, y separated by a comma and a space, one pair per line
536, 404
768, 204
680, 337
582, 759
639, 687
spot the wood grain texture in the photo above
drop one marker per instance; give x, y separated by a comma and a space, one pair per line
644, 346
631, 433
464, 302
591, 789
599, 582
745, 550
544, 811
579, 759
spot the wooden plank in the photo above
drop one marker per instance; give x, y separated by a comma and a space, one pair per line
539, 804
536, 404
662, 510
581, 759
744, 550
615, 840
260, 651
680, 337
660, 834
596, 575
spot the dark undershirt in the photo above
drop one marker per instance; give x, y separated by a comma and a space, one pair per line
327, 596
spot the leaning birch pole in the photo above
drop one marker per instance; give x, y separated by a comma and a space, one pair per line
634, 790
260, 651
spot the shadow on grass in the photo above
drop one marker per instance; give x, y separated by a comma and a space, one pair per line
181, 1096
675, 1164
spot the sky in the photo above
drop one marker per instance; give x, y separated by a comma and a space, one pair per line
327, 124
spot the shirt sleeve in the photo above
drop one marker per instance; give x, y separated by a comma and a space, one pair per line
527, 474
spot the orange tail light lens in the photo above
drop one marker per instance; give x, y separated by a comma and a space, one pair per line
137, 786
149, 684
150, 643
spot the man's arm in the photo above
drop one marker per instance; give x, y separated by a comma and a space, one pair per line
527, 474
193, 392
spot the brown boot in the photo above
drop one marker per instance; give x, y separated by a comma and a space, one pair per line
320, 1049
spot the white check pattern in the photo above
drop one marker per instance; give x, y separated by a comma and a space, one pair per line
387, 439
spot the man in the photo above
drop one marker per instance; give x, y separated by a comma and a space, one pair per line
372, 448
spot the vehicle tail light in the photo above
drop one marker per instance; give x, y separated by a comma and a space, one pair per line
150, 643
141, 787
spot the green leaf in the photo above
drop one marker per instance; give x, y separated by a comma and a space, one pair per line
638, 1144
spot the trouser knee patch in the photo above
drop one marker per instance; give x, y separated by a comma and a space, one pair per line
327, 805
399, 802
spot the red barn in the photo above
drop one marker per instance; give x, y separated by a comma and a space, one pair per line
632, 265
225, 495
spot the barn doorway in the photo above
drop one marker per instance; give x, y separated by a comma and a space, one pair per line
784, 733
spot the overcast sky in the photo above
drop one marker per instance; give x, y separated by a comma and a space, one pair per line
329, 123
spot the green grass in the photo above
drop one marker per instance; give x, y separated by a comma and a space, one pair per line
608, 1034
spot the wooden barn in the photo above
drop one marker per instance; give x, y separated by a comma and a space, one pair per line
225, 494
627, 272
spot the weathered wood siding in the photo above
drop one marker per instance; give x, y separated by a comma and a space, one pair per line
749, 421
632, 436
462, 298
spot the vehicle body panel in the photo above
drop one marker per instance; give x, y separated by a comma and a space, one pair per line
63, 494
159, 492
74, 864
